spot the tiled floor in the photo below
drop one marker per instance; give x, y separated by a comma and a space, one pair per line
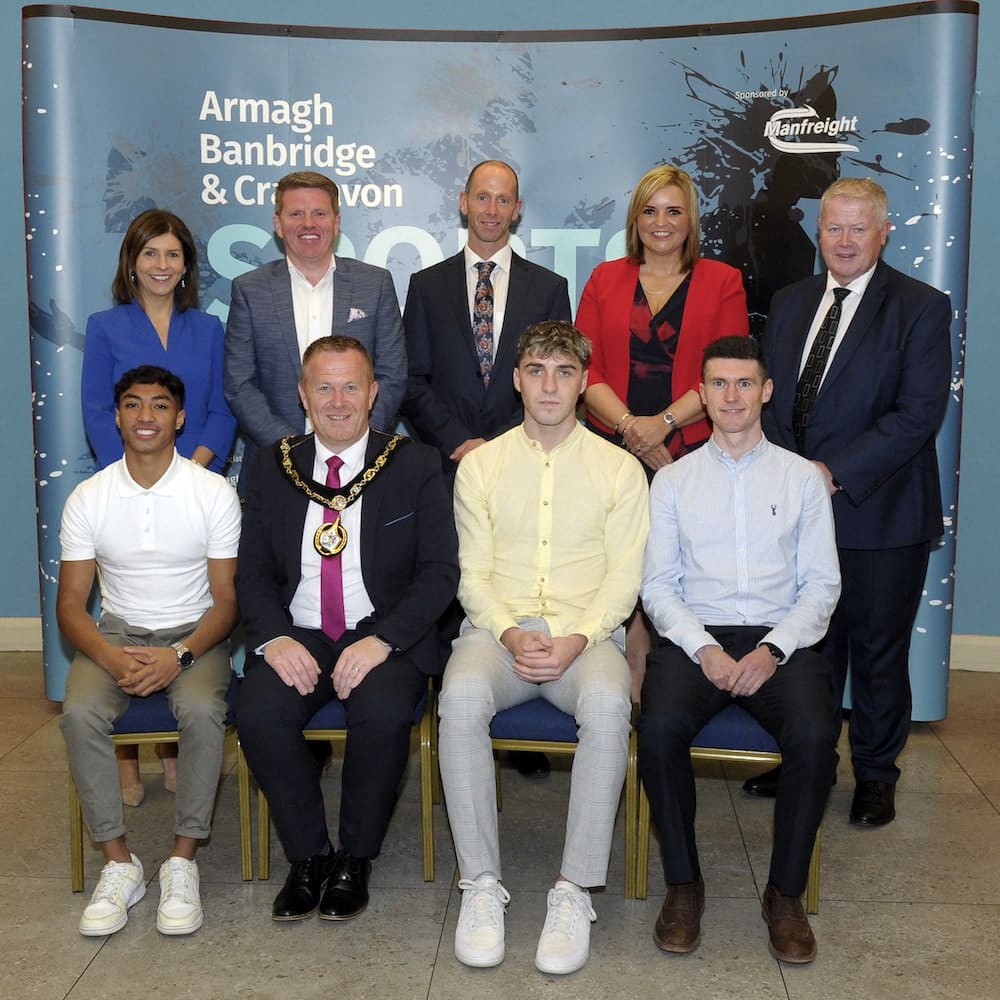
908, 911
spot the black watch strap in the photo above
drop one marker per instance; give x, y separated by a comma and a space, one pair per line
776, 652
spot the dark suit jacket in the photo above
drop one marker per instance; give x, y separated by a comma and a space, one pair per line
409, 548
879, 408
262, 360
445, 402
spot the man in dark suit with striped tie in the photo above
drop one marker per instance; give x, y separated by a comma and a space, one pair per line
861, 361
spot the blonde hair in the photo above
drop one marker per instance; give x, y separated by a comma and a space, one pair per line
862, 188
651, 182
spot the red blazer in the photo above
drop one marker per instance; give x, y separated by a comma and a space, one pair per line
716, 306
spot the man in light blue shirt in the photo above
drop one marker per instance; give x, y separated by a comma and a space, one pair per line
740, 580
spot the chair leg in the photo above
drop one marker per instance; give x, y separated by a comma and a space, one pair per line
631, 818
75, 838
263, 837
246, 837
427, 769
812, 886
642, 846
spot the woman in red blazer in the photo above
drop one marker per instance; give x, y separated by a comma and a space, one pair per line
649, 317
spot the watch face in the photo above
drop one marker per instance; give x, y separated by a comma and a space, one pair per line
186, 658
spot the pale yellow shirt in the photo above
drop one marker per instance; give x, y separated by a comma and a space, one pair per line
558, 536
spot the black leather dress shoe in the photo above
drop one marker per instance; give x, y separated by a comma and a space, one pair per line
874, 803
765, 785
530, 763
300, 895
346, 893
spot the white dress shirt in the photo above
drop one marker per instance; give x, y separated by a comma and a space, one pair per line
740, 542
305, 604
499, 278
847, 310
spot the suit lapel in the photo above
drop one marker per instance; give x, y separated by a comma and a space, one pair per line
863, 321
295, 515
513, 315
372, 502
458, 294
343, 289
281, 295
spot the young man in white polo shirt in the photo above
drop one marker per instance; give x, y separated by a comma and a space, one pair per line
164, 532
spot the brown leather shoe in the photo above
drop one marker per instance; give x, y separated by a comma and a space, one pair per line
678, 927
791, 937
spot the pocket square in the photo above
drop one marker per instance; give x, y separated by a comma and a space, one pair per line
356, 313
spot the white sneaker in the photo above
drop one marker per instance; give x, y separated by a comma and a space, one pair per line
120, 886
180, 910
565, 942
479, 936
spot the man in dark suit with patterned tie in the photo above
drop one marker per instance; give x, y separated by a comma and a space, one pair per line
861, 361
462, 320
350, 556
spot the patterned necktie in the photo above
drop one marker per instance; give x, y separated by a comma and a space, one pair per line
812, 373
482, 320
331, 589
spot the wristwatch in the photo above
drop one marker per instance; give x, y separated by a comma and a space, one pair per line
670, 420
185, 658
777, 653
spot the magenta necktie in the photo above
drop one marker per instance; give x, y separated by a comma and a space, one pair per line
482, 320
331, 581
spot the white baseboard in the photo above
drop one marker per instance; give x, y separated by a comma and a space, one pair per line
20, 634
976, 652
968, 652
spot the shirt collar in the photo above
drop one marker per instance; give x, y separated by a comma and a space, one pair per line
165, 486
296, 274
501, 258
858, 285
353, 456
720, 455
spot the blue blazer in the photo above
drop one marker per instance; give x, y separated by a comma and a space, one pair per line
445, 402
123, 338
409, 548
879, 408
262, 360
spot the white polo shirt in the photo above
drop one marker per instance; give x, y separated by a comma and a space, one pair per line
152, 545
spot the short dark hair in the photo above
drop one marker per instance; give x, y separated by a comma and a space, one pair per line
554, 336
145, 227
338, 345
150, 375
306, 179
735, 348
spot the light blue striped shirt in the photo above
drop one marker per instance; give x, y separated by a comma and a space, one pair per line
741, 542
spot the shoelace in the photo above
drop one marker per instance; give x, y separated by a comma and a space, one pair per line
566, 909
486, 904
178, 882
110, 882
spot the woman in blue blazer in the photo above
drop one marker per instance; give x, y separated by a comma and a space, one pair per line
156, 321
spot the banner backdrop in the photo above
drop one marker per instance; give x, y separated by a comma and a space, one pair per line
124, 112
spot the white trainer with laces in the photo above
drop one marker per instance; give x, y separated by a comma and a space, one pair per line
120, 886
564, 945
180, 910
479, 936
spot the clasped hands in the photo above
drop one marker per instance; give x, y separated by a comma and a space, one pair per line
143, 670
539, 656
644, 437
741, 678
298, 668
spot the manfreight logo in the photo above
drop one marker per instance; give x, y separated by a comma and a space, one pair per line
800, 130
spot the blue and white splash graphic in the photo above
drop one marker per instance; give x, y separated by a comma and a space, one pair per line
119, 117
